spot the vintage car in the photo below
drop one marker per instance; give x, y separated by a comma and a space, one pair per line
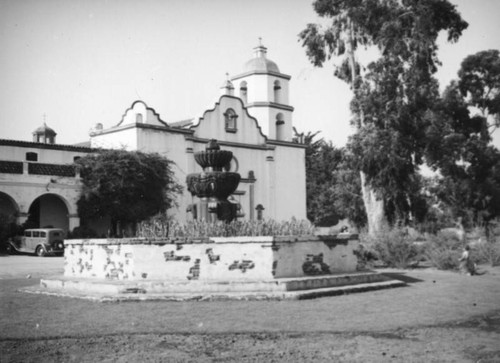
41, 241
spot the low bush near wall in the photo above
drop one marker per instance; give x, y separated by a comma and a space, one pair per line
398, 248
366, 257
395, 248
443, 251
82, 232
160, 227
488, 252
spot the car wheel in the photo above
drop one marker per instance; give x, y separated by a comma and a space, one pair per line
8, 248
40, 252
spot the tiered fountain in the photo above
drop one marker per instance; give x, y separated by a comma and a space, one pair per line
271, 267
214, 185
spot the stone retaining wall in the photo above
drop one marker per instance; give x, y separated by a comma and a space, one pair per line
211, 259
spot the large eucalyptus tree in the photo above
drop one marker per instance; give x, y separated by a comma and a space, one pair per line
392, 94
459, 141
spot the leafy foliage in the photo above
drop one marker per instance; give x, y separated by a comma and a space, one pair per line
126, 186
394, 94
82, 232
395, 248
333, 190
489, 252
405, 29
321, 159
161, 226
346, 190
443, 251
479, 77
458, 143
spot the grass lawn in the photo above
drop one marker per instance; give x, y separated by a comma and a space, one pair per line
441, 316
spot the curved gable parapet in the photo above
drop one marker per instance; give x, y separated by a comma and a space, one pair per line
140, 113
244, 110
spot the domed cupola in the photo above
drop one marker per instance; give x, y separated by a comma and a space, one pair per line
263, 90
44, 134
260, 63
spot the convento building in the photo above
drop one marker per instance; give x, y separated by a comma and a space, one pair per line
252, 118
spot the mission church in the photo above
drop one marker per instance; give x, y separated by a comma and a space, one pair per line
252, 118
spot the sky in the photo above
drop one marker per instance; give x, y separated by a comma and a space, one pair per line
75, 63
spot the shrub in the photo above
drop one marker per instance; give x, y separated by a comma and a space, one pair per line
366, 257
395, 248
82, 232
444, 259
443, 251
488, 252
162, 227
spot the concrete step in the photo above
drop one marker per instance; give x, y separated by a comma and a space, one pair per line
277, 289
162, 286
216, 296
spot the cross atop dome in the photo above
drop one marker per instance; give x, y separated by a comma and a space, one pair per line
260, 51
260, 63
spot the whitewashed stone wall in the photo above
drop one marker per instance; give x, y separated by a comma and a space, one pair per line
210, 259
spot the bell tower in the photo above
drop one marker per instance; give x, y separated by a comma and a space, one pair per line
264, 91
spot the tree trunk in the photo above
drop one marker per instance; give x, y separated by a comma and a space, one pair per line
374, 206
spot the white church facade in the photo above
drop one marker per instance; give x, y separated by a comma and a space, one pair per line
252, 119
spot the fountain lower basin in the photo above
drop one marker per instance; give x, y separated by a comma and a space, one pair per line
209, 259
236, 268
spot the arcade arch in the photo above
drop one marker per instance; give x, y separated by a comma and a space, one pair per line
8, 205
49, 210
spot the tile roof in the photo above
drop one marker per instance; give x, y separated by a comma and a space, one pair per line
51, 169
38, 145
11, 167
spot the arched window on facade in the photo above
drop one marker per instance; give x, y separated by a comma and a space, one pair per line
138, 118
230, 118
243, 91
277, 91
280, 127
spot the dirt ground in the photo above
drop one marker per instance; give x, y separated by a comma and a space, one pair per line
439, 317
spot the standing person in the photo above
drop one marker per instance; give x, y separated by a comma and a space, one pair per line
466, 264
